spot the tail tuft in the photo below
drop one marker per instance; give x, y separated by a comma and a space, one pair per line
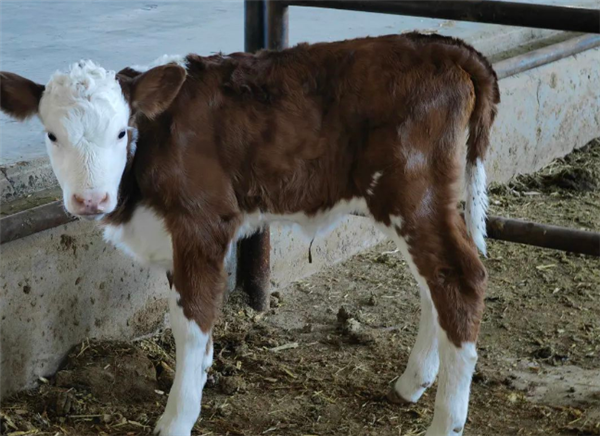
476, 204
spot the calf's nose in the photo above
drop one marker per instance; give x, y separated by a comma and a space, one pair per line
90, 203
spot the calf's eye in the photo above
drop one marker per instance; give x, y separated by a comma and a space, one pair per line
51, 137
122, 134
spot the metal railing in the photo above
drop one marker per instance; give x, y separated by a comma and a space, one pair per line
482, 11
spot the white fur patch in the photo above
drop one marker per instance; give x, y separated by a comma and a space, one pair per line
476, 204
85, 110
415, 159
144, 238
425, 207
183, 405
163, 60
452, 399
316, 225
374, 181
396, 223
423, 363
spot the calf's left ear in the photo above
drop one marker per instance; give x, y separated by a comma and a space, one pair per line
19, 97
152, 92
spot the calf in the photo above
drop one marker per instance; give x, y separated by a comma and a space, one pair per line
178, 160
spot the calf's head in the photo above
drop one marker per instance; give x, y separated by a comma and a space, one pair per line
88, 114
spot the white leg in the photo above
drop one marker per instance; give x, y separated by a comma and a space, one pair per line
452, 400
423, 363
194, 353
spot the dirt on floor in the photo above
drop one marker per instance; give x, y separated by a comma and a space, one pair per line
321, 360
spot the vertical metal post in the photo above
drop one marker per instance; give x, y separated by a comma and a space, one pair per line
254, 25
277, 25
254, 268
254, 260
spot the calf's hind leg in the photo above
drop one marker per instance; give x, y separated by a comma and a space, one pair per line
423, 363
448, 261
452, 281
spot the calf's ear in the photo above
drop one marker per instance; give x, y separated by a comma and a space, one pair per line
152, 92
19, 97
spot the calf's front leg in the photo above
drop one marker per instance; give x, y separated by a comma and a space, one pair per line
194, 354
194, 302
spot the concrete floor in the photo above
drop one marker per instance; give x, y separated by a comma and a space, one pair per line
39, 37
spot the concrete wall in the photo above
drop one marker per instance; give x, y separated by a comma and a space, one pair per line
289, 252
63, 285
544, 114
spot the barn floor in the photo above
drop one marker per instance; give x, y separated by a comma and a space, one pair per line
320, 361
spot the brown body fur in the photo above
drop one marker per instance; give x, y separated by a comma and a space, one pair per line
301, 130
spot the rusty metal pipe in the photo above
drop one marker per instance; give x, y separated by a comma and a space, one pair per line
254, 268
34, 220
254, 25
545, 55
565, 18
543, 235
277, 28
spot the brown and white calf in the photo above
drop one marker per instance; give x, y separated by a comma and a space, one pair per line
178, 160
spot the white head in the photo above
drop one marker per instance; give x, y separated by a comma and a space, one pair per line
88, 114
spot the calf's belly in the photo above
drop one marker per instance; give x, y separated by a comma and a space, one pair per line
146, 239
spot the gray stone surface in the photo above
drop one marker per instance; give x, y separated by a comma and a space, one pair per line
544, 114
64, 285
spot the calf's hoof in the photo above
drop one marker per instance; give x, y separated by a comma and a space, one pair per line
394, 397
169, 425
439, 430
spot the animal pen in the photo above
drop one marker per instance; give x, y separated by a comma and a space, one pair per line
266, 26
266, 352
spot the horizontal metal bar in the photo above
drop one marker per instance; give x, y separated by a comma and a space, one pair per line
565, 18
32, 221
541, 235
545, 55
51, 215
544, 235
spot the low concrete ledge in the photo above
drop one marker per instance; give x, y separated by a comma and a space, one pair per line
66, 284
62, 285
545, 113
